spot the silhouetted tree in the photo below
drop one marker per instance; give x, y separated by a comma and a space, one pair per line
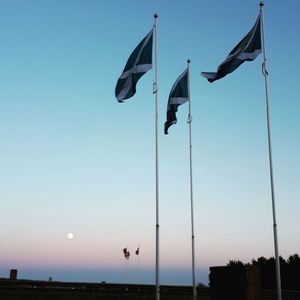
289, 269
294, 259
235, 264
293, 272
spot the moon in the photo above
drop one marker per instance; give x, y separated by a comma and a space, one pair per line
70, 235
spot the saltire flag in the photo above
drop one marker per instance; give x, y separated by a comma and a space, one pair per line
246, 50
139, 62
179, 95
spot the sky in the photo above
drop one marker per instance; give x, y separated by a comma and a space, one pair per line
74, 160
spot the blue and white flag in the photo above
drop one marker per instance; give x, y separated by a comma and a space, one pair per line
139, 62
246, 50
179, 95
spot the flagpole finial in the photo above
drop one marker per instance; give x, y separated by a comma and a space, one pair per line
155, 16
261, 4
188, 61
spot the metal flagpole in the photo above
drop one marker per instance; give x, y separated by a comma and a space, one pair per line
191, 186
155, 91
265, 73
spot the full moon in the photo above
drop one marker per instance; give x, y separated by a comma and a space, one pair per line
70, 235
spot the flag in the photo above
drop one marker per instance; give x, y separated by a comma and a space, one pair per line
126, 253
137, 251
246, 50
179, 95
139, 62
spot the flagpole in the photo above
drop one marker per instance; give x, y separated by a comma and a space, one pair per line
191, 186
155, 91
265, 73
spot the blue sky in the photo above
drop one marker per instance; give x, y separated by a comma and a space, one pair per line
72, 159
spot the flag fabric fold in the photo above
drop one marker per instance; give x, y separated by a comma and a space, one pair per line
246, 50
179, 95
139, 62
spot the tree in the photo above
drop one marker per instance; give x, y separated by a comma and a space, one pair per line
235, 264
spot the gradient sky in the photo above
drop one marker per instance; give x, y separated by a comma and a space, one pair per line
72, 159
